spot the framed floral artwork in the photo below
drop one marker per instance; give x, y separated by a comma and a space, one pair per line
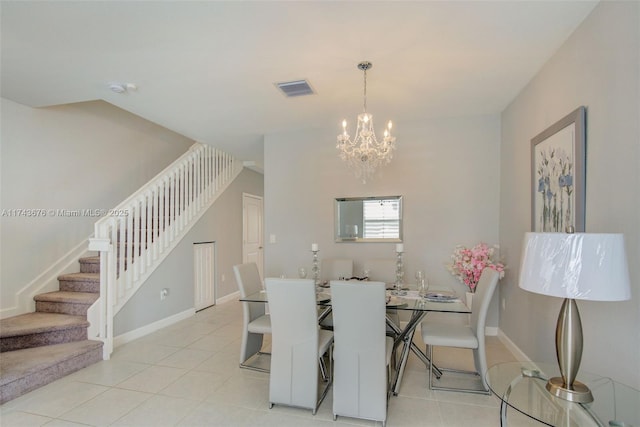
558, 175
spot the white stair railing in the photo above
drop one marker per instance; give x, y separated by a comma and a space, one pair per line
134, 237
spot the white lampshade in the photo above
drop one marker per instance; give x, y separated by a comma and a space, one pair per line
586, 266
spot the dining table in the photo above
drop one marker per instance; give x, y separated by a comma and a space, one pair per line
437, 300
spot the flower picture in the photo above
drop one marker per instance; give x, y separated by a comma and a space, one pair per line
467, 264
554, 173
558, 175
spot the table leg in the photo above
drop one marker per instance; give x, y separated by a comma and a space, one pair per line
326, 311
418, 352
400, 369
406, 337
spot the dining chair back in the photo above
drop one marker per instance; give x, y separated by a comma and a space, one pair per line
384, 270
297, 344
255, 322
336, 269
471, 336
362, 352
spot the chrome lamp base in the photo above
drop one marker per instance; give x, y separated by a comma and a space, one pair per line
579, 393
569, 354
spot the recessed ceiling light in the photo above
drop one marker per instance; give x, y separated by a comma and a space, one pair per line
122, 87
117, 88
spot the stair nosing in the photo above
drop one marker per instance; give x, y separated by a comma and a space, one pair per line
21, 330
68, 297
80, 277
76, 348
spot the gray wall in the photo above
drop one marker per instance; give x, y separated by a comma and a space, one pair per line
597, 67
89, 155
222, 223
447, 170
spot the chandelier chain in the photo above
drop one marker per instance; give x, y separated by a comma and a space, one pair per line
365, 90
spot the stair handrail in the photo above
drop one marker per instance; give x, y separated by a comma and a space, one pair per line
134, 237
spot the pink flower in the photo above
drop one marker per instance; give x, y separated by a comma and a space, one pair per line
467, 264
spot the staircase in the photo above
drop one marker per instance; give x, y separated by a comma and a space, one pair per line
132, 240
38, 348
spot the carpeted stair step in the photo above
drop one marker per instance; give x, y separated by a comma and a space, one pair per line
74, 303
39, 329
90, 264
24, 370
80, 282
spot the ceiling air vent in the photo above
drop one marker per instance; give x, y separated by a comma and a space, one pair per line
295, 88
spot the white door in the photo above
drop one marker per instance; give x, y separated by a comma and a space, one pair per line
204, 274
252, 244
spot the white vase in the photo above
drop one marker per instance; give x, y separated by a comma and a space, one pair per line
469, 299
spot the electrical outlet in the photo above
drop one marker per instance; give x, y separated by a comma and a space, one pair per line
222, 277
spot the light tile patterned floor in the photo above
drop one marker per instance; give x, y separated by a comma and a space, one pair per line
188, 375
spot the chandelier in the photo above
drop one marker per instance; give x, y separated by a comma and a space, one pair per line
364, 153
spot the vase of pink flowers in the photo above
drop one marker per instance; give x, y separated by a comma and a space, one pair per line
467, 263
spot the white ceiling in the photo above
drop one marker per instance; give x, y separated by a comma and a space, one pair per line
207, 69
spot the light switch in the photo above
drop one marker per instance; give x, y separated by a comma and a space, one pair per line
272, 238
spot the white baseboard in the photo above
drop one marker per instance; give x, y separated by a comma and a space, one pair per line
514, 349
234, 296
152, 327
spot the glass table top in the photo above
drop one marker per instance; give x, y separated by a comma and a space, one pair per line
521, 385
411, 301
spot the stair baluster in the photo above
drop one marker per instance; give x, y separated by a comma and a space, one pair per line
159, 216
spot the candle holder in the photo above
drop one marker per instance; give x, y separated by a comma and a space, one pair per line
399, 275
315, 269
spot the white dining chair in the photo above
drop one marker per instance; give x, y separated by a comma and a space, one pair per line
334, 269
362, 351
471, 336
255, 322
384, 270
298, 344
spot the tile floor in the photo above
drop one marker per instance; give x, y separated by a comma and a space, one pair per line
188, 375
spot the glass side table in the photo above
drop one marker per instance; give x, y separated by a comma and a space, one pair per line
521, 386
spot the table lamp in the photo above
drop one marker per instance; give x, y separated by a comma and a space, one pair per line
585, 266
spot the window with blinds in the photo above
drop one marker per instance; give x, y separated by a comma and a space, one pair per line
381, 219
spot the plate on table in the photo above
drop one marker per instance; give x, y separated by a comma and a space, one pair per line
441, 296
321, 297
